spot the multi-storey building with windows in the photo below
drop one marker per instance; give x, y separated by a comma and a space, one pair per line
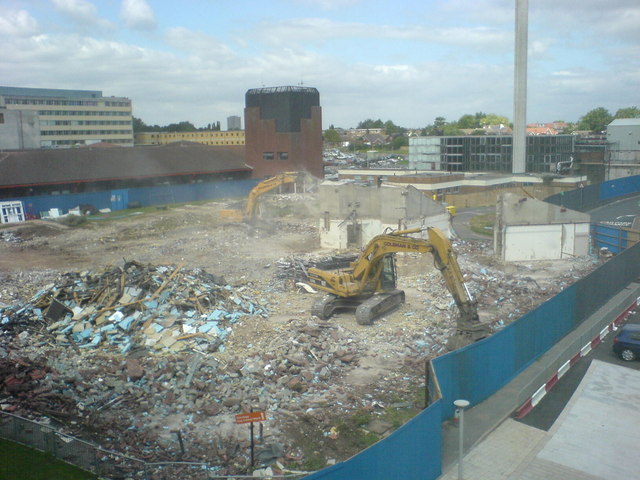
488, 153
206, 137
73, 117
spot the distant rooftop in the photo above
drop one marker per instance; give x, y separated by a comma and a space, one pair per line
49, 92
622, 122
288, 89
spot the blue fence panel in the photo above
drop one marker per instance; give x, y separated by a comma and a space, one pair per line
35, 205
146, 196
464, 373
412, 452
612, 238
619, 187
479, 370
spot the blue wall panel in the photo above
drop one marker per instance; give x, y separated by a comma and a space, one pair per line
412, 452
158, 195
479, 370
612, 238
41, 203
619, 187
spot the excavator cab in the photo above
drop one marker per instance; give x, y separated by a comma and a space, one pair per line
388, 275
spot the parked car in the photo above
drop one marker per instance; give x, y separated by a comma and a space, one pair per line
626, 343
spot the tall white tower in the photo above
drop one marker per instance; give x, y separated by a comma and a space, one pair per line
520, 89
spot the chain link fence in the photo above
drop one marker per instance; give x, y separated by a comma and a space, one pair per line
108, 464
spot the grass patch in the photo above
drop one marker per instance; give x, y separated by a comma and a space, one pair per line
20, 462
483, 224
72, 220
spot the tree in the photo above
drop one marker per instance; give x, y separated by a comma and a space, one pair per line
369, 123
596, 120
629, 112
139, 125
451, 130
494, 119
331, 136
391, 128
468, 121
399, 142
181, 127
436, 129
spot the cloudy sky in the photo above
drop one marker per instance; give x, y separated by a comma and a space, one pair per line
408, 61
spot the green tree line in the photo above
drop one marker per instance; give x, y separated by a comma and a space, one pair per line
140, 126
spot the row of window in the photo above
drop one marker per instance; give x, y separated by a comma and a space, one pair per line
75, 103
48, 123
198, 134
86, 132
101, 113
54, 143
272, 155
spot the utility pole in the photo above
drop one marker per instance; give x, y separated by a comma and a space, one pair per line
519, 148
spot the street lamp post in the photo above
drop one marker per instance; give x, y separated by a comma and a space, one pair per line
460, 406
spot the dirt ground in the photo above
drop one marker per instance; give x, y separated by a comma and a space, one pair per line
341, 386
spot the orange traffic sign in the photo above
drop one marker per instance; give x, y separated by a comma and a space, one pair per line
251, 417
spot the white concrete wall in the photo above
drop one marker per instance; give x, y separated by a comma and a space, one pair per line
545, 242
335, 236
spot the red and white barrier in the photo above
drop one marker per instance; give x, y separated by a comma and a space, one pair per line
542, 391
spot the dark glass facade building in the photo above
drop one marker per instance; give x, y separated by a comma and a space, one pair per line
488, 153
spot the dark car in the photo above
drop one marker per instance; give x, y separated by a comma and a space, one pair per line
626, 343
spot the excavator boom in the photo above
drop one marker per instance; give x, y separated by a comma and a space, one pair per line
249, 210
369, 283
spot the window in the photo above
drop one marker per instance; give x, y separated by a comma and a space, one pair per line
283, 155
268, 156
1, 117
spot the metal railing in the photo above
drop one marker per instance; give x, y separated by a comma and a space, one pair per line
106, 463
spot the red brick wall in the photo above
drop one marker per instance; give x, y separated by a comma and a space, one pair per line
304, 147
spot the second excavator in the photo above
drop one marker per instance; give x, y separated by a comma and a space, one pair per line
368, 284
248, 213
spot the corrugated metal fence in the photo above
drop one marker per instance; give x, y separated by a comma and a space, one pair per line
123, 198
592, 196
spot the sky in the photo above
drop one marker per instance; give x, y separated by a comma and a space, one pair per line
408, 61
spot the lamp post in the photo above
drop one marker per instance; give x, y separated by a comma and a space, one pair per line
460, 406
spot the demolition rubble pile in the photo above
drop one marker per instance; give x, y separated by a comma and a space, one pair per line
136, 306
127, 356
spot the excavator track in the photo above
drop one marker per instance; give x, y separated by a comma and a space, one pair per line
377, 306
323, 308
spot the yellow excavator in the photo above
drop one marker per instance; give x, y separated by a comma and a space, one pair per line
368, 283
248, 213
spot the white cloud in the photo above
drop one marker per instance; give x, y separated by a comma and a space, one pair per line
138, 15
198, 44
17, 23
330, 4
82, 12
320, 30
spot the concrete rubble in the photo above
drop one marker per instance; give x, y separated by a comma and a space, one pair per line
127, 356
137, 305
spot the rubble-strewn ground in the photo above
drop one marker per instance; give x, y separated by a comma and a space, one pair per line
330, 388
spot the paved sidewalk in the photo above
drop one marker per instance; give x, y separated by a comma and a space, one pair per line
497, 447
589, 441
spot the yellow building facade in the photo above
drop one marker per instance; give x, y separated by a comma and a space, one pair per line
207, 137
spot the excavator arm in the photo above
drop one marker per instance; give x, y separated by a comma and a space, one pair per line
362, 282
265, 186
249, 210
